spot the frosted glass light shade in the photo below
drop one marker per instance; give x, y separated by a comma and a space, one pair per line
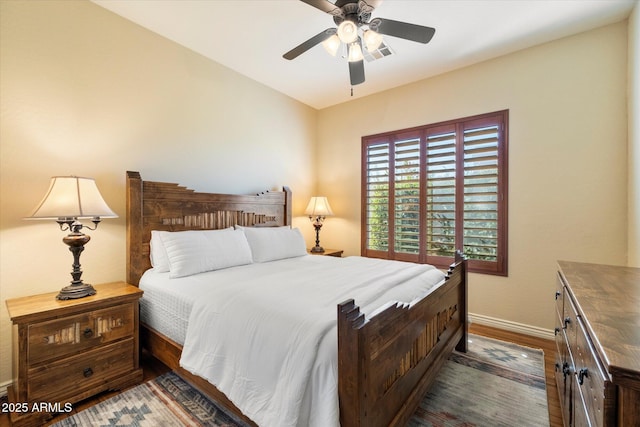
372, 40
331, 45
355, 52
318, 206
72, 197
347, 32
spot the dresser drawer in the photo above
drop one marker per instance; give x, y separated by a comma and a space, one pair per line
65, 336
592, 382
58, 381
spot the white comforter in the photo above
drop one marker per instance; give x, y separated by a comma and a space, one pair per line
269, 341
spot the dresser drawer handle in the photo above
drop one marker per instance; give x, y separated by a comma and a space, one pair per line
567, 321
558, 293
87, 372
566, 369
556, 331
88, 333
584, 372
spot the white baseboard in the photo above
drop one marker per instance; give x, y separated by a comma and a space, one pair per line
512, 326
3, 388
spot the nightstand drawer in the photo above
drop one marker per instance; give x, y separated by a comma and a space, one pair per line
65, 378
60, 337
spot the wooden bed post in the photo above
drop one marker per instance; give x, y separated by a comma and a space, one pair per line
459, 260
134, 226
349, 346
288, 205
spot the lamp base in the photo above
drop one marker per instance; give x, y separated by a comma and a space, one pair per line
317, 249
76, 291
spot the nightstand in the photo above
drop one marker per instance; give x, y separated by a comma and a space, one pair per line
66, 351
328, 252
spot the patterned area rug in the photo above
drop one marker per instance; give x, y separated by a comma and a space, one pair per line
494, 384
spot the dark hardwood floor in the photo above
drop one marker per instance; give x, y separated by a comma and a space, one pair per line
153, 368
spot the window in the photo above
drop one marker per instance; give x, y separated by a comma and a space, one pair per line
430, 190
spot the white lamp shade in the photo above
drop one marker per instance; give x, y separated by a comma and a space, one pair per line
318, 206
347, 32
331, 45
72, 197
372, 40
355, 52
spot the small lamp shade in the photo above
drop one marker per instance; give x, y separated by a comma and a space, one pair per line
72, 197
318, 206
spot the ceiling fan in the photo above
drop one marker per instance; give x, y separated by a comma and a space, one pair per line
356, 30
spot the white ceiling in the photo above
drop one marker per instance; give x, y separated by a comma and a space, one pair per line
250, 37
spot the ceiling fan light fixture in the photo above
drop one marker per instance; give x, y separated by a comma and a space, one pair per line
355, 52
332, 44
347, 31
372, 40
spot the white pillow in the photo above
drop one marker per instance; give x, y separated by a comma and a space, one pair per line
273, 243
195, 252
158, 254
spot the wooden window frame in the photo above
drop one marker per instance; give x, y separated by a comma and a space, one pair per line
499, 119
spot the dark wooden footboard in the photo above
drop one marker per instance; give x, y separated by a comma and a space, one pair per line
387, 363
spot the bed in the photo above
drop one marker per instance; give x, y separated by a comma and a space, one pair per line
386, 355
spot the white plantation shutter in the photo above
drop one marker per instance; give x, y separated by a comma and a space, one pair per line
432, 190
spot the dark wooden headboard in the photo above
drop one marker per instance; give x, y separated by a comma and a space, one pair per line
165, 206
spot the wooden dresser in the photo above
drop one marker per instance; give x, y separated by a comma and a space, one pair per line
66, 351
598, 338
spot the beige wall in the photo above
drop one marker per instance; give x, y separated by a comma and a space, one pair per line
634, 137
567, 159
88, 93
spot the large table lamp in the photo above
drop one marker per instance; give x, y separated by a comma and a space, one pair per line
69, 199
317, 209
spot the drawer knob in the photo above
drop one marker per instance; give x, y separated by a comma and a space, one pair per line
567, 321
584, 372
566, 369
88, 333
556, 331
558, 293
87, 372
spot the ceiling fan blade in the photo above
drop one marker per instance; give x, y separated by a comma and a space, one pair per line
403, 30
325, 6
305, 46
356, 72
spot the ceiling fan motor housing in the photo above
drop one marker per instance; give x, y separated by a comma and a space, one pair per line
351, 11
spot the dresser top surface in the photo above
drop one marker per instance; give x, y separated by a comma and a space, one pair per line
608, 298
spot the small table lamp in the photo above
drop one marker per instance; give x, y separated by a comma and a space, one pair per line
317, 209
68, 199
